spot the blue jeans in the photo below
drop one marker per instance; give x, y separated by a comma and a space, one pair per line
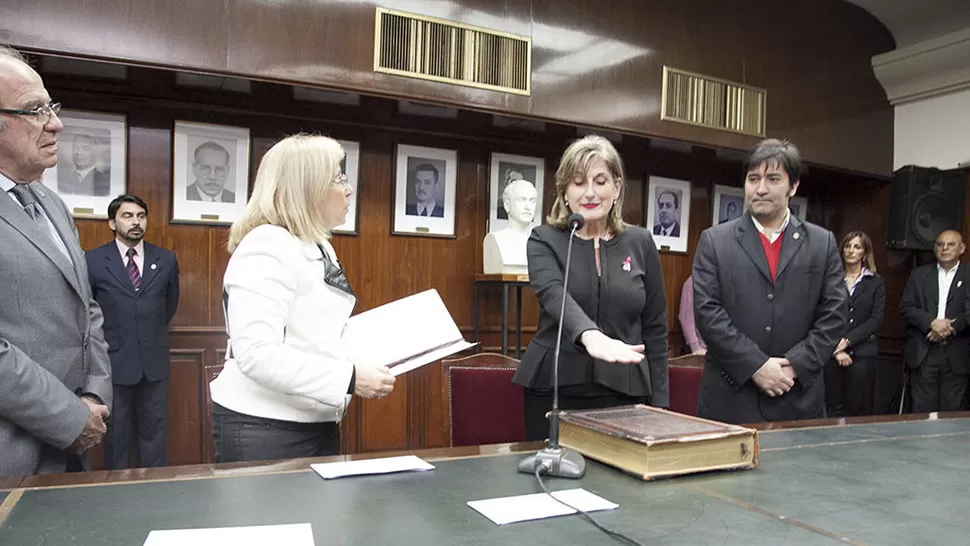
241, 437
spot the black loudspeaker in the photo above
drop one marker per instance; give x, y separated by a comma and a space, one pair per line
924, 202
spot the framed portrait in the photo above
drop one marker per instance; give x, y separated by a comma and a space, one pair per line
210, 177
507, 168
424, 191
668, 212
350, 166
728, 204
799, 207
91, 162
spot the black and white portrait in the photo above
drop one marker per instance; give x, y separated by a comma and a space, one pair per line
350, 166
424, 191
668, 212
728, 204
211, 172
90, 167
504, 170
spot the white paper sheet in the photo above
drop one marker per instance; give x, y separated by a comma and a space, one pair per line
404, 334
300, 534
539, 506
385, 465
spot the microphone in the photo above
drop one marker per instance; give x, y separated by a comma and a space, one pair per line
554, 460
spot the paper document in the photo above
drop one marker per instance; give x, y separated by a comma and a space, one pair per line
404, 334
539, 506
300, 534
384, 465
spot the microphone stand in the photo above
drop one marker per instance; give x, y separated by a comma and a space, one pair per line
554, 460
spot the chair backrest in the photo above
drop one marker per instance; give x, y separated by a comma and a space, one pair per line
685, 382
484, 406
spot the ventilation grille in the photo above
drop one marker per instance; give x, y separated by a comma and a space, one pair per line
711, 102
433, 49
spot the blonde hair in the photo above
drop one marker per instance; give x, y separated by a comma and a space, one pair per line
292, 180
577, 159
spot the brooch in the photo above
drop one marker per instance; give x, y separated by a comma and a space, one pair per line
626, 264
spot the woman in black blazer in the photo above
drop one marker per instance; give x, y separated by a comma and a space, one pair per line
850, 373
614, 340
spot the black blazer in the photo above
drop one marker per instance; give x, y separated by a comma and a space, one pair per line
867, 308
136, 323
919, 306
627, 302
745, 318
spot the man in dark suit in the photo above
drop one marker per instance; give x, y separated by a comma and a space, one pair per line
769, 300
211, 169
137, 285
935, 306
55, 378
668, 214
84, 178
425, 184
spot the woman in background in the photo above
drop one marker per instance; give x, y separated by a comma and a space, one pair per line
614, 345
850, 373
287, 380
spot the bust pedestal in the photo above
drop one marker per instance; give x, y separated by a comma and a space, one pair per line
504, 252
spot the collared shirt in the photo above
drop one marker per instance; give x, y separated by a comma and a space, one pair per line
775, 235
217, 198
7, 185
865, 273
139, 254
426, 210
945, 279
82, 174
667, 231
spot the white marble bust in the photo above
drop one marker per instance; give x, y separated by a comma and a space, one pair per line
505, 249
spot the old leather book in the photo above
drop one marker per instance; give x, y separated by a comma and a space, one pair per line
653, 443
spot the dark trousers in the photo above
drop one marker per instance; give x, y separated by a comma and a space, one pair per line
933, 384
142, 407
849, 391
536, 404
241, 437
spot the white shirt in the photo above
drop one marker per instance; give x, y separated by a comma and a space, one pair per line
217, 198
139, 256
945, 279
285, 325
8, 185
666, 231
776, 234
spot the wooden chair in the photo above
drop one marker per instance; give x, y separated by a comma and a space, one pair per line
685, 382
483, 405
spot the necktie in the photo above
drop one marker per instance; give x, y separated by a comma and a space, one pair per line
132, 268
31, 207
424, 212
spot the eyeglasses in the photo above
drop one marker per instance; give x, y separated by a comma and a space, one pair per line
207, 170
341, 180
43, 114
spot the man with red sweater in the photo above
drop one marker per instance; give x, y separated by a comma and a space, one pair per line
769, 300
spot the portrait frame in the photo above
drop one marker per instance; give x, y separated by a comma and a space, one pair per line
799, 207
499, 166
88, 195
405, 216
724, 198
188, 206
351, 169
681, 189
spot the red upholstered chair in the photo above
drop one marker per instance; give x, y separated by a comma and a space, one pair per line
685, 383
484, 406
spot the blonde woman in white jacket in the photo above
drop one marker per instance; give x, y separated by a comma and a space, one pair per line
287, 380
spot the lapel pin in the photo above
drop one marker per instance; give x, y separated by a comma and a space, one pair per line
795, 236
41, 193
959, 284
154, 266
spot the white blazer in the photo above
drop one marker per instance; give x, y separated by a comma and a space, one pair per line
285, 359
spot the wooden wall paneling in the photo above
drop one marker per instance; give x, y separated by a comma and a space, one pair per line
209, 372
185, 428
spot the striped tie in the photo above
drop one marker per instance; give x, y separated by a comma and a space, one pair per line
132, 269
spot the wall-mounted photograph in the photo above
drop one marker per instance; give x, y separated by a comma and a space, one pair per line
350, 166
728, 204
505, 169
668, 213
211, 173
91, 162
425, 181
799, 207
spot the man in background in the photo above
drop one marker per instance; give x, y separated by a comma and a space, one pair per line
84, 178
668, 215
935, 305
210, 167
137, 285
55, 378
425, 184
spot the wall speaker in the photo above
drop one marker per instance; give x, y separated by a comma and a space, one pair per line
924, 202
